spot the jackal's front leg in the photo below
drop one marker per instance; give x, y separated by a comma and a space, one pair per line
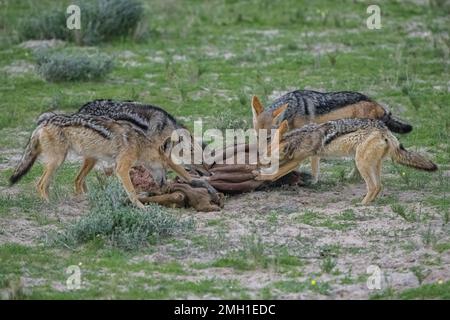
123, 167
49, 170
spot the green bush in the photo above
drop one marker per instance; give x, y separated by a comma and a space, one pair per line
101, 20
119, 224
49, 25
73, 65
107, 19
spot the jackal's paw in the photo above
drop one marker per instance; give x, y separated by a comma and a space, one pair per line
139, 204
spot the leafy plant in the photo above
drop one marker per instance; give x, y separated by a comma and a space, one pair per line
328, 264
101, 20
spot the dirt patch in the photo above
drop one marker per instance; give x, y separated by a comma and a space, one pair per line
326, 48
10, 158
41, 44
68, 210
31, 229
20, 230
19, 68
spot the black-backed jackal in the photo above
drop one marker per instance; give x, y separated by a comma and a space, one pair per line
94, 138
157, 124
368, 141
302, 107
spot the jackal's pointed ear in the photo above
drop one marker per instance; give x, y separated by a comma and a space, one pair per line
278, 135
278, 114
257, 107
166, 147
283, 128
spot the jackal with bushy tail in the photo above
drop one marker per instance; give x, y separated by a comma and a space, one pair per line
94, 138
368, 141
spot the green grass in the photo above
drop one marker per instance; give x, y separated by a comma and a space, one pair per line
316, 219
428, 291
205, 59
440, 290
254, 254
105, 273
442, 247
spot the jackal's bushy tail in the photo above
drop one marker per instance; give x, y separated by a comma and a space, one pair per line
30, 155
397, 125
409, 158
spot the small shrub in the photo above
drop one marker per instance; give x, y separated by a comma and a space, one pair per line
101, 20
69, 65
48, 25
420, 273
328, 264
429, 237
121, 225
401, 211
108, 19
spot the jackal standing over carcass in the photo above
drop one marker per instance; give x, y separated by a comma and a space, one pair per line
368, 141
94, 138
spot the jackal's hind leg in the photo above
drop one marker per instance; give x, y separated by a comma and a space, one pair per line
375, 186
80, 182
370, 171
376, 176
44, 182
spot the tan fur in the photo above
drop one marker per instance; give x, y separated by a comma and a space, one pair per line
368, 146
126, 146
270, 118
361, 110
